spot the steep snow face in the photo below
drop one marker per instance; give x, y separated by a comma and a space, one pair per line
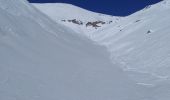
78, 19
42, 60
140, 43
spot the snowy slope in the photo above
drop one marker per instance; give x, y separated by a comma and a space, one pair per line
42, 60
69, 11
66, 13
140, 42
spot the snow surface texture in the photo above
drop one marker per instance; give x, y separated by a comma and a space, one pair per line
43, 60
139, 42
63, 12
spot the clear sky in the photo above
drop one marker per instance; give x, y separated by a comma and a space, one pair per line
111, 7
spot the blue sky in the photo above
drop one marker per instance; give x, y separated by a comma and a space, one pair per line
111, 7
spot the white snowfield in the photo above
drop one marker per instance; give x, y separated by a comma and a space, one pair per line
44, 60
139, 42
60, 12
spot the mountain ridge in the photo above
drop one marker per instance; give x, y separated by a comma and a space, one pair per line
75, 17
121, 38
41, 59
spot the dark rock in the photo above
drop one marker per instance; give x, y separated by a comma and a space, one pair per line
95, 24
76, 21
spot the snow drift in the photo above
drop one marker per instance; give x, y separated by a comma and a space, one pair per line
140, 42
42, 60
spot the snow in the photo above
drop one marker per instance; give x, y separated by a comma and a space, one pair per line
62, 11
138, 43
44, 60
69, 11
142, 43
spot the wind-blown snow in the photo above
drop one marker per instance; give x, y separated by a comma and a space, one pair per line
62, 11
141, 41
42, 60
138, 43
